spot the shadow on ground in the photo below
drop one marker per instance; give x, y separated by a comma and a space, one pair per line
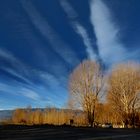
50, 132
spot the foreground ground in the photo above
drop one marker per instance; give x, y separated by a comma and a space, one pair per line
66, 133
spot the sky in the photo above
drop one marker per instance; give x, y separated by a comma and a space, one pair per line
42, 41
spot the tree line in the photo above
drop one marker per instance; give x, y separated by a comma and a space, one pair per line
51, 116
89, 85
96, 96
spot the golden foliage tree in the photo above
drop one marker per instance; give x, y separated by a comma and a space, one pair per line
19, 116
124, 91
85, 86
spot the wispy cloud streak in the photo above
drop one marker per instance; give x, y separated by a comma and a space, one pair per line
27, 74
79, 29
58, 45
72, 14
107, 33
39, 94
87, 41
15, 67
30, 94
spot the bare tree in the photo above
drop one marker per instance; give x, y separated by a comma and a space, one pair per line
85, 86
124, 91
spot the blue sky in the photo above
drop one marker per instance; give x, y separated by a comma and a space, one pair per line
42, 41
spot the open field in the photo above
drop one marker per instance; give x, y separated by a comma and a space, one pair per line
66, 133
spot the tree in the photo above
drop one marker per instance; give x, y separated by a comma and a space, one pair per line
85, 85
124, 91
19, 116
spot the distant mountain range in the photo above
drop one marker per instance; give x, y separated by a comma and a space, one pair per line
5, 114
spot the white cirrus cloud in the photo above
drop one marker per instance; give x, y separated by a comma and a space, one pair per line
68, 9
87, 41
30, 94
79, 29
57, 44
107, 33
15, 67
